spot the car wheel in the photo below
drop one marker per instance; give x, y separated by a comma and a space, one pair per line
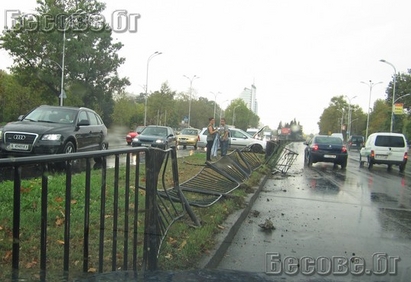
195, 146
184, 147
389, 167
309, 161
402, 167
103, 147
370, 164
344, 164
128, 143
361, 162
257, 149
69, 148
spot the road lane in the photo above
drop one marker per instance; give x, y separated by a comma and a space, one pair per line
321, 213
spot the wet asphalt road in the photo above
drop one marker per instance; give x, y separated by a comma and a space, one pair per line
354, 221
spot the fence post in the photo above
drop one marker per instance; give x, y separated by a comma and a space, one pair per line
152, 234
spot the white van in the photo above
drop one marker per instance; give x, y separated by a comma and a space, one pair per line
338, 135
385, 148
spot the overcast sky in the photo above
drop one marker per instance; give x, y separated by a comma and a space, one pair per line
299, 54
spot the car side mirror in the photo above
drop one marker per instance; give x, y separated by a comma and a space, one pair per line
83, 122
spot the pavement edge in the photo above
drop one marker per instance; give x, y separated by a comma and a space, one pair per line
235, 220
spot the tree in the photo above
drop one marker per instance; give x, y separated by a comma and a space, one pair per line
14, 98
90, 61
336, 116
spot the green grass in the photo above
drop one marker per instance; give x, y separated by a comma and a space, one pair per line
182, 249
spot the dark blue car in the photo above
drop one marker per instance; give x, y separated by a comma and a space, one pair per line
324, 148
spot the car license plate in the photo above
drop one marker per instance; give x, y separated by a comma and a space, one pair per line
381, 157
330, 156
14, 146
146, 144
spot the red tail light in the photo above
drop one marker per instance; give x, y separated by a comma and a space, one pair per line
344, 149
405, 156
372, 154
314, 147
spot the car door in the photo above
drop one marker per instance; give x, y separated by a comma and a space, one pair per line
238, 140
172, 139
97, 133
84, 134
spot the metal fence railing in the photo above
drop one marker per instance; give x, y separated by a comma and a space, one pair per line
86, 217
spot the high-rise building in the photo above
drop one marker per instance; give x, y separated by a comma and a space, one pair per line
249, 97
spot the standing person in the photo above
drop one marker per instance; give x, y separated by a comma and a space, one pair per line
211, 133
223, 132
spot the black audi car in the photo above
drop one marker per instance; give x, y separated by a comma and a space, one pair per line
53, 130
324, 148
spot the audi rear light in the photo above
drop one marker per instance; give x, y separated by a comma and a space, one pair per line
344, 149
314, 147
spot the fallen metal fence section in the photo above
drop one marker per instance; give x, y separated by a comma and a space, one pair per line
280, 158
216, 179
285, 161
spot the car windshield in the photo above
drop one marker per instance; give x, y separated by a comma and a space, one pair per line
52, 115
188, 131
155, 131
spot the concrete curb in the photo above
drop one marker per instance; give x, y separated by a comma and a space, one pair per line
235, 220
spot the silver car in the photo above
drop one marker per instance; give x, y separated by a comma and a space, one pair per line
238, 139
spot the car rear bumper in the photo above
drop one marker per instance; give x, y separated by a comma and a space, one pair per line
388, 162
328, 157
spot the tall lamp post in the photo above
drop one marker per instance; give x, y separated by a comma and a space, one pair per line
156, 53
349, 115
65, 21
221, 108
189, 102
370, 85
234, 114
393, 93
215, 101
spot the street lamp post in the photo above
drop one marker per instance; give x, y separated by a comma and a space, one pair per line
342, 119
393, 93
370, 85
156, 53
349, 115
189, 102
234, 114
215, 101
221, 108
79, 12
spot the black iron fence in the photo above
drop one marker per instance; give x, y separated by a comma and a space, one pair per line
116, 226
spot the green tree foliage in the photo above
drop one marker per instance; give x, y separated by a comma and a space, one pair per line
14, 98
127, 112
380, 117
402, 88
90, 61
336, 115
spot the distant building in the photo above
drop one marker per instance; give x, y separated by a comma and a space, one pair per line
250, 98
